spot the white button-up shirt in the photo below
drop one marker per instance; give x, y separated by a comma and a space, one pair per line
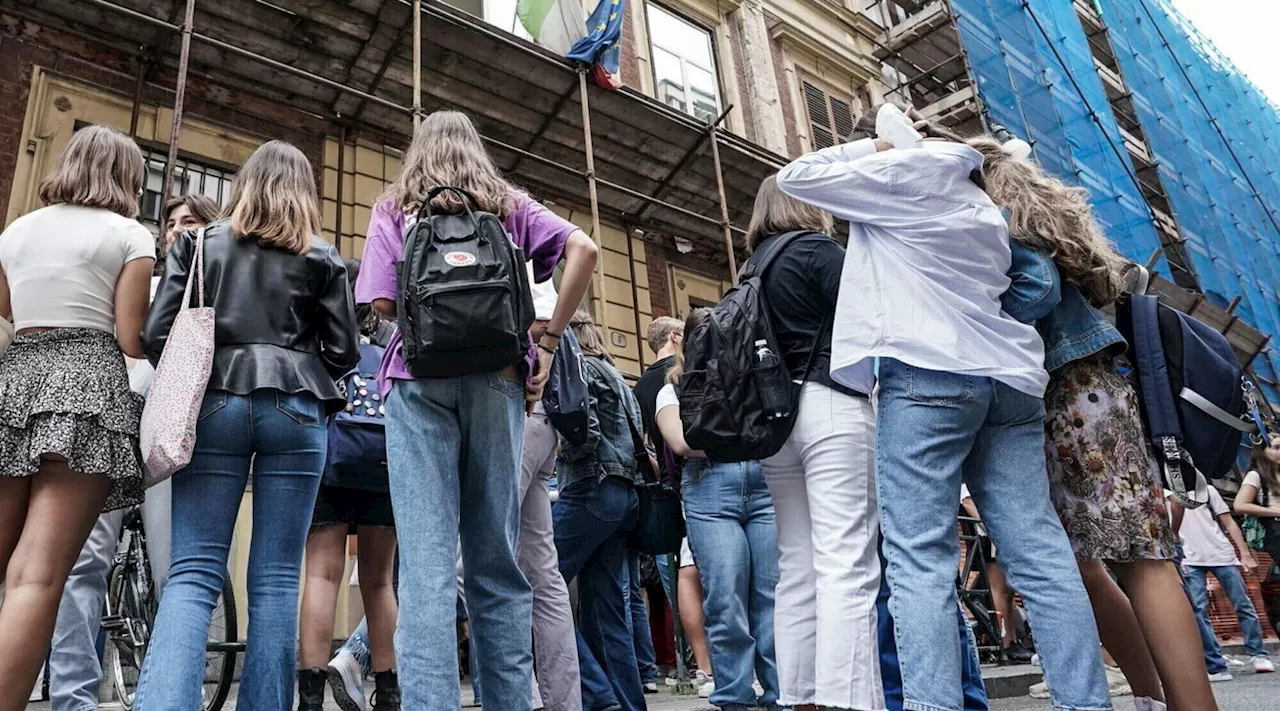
926, 264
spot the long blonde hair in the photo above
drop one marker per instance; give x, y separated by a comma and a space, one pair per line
1047, 214
100, 168
590, 337
447, 151
273, 199
776, 212
695, 318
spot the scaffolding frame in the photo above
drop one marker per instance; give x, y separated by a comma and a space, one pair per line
188, 34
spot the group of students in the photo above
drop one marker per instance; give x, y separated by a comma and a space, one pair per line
957, 339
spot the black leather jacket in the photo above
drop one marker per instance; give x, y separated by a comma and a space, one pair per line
284, 321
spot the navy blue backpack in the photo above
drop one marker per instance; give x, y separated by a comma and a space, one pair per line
567, 400
357, 456
1191, 390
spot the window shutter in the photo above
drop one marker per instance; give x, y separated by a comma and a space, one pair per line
842, 118
815, 100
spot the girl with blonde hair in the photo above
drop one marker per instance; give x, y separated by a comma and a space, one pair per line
285, 330
1103, 480
74, 279
456, 441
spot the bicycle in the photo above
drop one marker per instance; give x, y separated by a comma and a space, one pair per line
131, 608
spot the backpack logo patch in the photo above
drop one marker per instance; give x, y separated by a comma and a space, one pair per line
459, 259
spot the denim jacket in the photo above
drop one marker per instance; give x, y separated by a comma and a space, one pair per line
1070, 326
610, 447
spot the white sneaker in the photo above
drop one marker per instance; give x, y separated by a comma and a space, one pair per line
1221, 676
1236, 662
705, 684
651, 687
1117, 684
1141, 703
1039, 691
1262, 665
346, 681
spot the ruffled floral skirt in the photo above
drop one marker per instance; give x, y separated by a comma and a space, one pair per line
66, 392
1103, 480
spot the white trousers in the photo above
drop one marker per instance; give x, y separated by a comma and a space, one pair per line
824, 494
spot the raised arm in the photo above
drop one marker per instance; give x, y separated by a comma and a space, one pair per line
1036, 285
870, 182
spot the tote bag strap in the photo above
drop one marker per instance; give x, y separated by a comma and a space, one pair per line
196, 274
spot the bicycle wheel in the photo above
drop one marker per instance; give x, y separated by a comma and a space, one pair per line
128, 623
220, 659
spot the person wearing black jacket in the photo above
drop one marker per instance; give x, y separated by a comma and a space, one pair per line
285, 330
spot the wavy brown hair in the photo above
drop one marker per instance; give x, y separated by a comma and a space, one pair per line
1049, 215
590, 337
1267, 469
273, 199
776, 212
447, 150
101, 167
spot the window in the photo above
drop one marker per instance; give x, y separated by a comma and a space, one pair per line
684, 64
190, 178
830, 117
499, 13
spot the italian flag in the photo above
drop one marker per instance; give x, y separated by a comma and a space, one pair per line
554, 24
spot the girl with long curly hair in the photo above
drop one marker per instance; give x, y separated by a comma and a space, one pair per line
1103, 480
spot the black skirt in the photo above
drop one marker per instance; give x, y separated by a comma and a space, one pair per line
353, 507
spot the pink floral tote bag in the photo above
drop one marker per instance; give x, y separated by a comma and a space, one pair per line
168, 432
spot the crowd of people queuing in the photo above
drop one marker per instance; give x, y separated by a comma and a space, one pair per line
957, 342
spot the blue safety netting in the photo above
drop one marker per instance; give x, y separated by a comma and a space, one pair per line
1025, 88
1189, 97
1048, 90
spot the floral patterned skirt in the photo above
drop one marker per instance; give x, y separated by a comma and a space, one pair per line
1103, 479
66, 392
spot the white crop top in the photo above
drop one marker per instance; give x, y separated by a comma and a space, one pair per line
62, 263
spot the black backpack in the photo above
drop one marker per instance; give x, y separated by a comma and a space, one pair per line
567, 400
1191, 391
463, 296
737, 400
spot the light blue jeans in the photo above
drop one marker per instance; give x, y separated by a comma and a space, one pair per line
937, 430
730, 518
453, 450
1232, 582
284, 436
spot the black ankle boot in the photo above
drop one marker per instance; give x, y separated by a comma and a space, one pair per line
386, 695
311, 689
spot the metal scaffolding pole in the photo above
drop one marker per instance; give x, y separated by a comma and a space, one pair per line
179, 99
596, 235
724, 205
342, 171
417, 64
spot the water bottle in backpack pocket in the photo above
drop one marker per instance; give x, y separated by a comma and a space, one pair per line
462, 293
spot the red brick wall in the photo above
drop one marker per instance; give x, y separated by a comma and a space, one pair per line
630, 61
24, 44
659, 290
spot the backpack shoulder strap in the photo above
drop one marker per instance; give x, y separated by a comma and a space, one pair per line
1153, 371
761, 261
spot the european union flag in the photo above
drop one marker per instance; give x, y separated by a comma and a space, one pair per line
603, 44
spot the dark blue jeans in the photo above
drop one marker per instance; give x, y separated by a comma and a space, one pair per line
284, 436
646, 657
975, 692
592, 521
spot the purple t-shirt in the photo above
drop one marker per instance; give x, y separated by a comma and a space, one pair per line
538, 231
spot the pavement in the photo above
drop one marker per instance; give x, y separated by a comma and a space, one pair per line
1248, 692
